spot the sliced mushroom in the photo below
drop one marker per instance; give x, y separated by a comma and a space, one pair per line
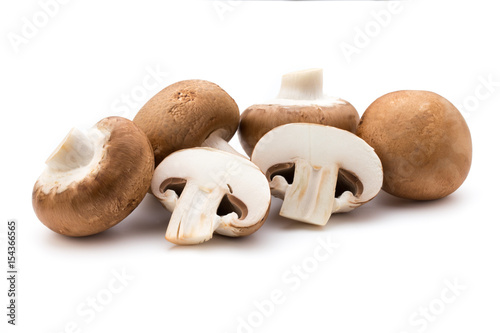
300, 100
186, 114
209, 190
318, 170
94, 179
423, 141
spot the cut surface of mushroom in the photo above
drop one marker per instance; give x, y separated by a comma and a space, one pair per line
300, 100
94, 178
207, 191
318, 170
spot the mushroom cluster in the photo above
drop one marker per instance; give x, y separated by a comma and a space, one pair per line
206, 184
310, 150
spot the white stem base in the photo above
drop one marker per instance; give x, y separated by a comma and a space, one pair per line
302, 85
77, 157
75, 151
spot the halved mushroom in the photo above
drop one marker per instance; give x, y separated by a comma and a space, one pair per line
186, 114
300, 100
209, 190
318, 170
93, 180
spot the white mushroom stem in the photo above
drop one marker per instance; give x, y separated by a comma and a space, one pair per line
302, 85
310, 197
216, 141
75, 151
194, 218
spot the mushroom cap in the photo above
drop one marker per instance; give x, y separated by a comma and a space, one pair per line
211, 170
259, 119
423, 141
184, 114
95, 197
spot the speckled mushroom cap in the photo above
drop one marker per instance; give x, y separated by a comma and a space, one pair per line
184, 114
423, 142
90, 197
259, 119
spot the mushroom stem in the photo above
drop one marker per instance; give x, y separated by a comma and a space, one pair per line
195, 218
302, 85
311, 196
75, 151
215, 140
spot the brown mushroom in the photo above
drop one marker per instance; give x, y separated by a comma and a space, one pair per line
188, 114
423, 142
301, 100
94, 180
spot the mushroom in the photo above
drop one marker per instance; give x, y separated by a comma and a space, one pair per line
317, 170
209, 190
423, 141
188, 114
300, 100
94, 179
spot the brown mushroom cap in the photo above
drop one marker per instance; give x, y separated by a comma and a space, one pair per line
184, 114
259, 119
423, 142
106, 195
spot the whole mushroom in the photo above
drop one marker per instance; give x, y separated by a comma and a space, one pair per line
423, 141
94, 179
318, 170
300, 100
186, 114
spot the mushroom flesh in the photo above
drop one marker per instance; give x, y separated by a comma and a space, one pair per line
209, 190
317, 170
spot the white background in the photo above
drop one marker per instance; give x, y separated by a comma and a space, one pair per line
394, 256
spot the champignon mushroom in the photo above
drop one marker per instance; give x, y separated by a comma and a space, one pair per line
94, 179
209, 190
300, 100
423, 141
317, 170
186, 114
